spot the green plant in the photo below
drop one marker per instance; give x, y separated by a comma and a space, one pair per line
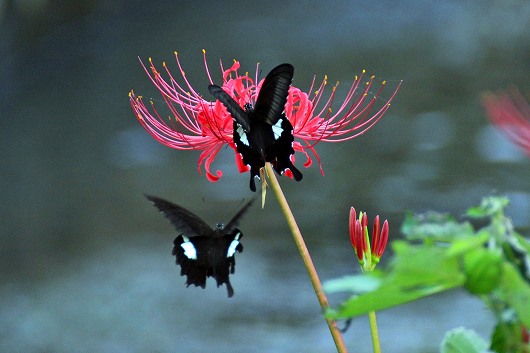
439, 253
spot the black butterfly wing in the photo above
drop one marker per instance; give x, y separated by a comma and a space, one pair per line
201, 257
185, 221
282, 150
273, 94
234, 222
231, 105
200, 251
192, 264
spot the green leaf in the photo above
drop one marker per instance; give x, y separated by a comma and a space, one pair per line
483, 269
466, 244
508, 338
522, 242
385, 297
417, 271
515, 291
427, 264
433, 226
356, 284
461, 340
489, 207
517, 251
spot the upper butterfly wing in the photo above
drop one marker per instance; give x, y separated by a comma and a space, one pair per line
230, 226
185, 221
231, 105
273, 94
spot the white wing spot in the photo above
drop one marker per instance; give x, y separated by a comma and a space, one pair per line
233, 245
277, 129
189, 249
242, 135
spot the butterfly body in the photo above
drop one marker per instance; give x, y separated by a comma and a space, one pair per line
263, 133
207, 257
201, 251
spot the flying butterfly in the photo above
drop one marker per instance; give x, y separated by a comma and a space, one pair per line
263, 133
201, 251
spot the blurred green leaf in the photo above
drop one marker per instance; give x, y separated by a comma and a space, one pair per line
489, 207
417, 271
507, 338
466, 244
515, 291
355, 284
483, 269
517, 251
461, 340
414, 265
434, 226
522, 241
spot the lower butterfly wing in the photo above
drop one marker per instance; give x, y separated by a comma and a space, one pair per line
225, 262
282, 149
237, 113
201, 257
276, 149
249, 153
273, 94
187, 258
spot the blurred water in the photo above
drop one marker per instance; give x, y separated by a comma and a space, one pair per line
85, 259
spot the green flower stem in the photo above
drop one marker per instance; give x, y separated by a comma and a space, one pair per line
300, 244
375, 332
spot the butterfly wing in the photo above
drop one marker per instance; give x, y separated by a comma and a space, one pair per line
184, 221
234, 222
201, 257
188, 252
273, 94
231, 105
200, 251
271, 137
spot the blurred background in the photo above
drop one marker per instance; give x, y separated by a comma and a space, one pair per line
85, 260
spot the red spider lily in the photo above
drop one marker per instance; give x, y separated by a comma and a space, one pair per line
199, 124
368, 252
511, 114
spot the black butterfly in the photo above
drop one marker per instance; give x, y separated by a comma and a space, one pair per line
263, 133
200, 250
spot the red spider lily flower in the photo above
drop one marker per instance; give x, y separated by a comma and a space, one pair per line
368, 252
198, 124
511, 114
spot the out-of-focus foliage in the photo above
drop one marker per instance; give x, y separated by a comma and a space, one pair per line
440, 253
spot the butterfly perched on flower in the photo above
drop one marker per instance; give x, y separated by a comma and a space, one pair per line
262, 133
258, 119
200, 250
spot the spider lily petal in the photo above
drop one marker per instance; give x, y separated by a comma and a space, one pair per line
510, 113
368, 249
